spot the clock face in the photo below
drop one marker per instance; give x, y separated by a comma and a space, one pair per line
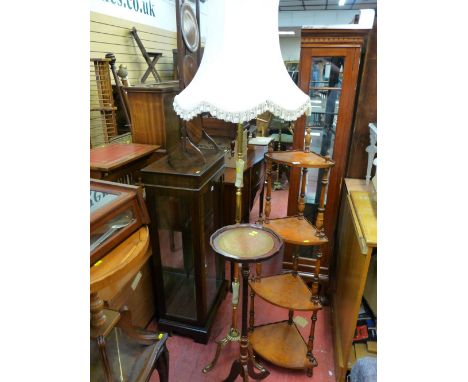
189, 27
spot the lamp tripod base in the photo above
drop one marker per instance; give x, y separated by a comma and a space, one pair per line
232, 336
246, 371
246, 365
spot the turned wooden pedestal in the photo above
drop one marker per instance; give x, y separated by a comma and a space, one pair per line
246, 243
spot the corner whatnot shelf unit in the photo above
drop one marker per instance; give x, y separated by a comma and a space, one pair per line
281, 342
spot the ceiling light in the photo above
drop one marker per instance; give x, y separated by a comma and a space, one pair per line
341, 3
287, 32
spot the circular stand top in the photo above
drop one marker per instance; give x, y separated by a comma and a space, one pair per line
246, 242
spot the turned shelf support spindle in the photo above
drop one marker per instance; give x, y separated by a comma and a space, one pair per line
310, 345
97, 311
269, 186
321, 208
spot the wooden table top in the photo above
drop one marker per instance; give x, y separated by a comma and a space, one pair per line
110, 157
366, 211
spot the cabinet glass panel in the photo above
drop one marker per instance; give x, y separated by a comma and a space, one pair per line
213, 263
326, 77
177, 255
99, 199
111, 228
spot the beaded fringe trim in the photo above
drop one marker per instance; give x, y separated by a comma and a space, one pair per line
278, 111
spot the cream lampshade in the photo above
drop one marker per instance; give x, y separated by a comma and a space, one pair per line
242, 73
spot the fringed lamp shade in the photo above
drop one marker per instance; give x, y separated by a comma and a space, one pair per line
242, 73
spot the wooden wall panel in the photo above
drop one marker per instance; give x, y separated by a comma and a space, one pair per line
112, 35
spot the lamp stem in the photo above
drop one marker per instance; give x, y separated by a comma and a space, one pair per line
239, 173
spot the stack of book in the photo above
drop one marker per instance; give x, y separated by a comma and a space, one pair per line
365, 336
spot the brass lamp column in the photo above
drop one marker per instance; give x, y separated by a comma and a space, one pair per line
234, 334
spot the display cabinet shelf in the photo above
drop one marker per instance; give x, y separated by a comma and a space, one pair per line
299, 158
286, 291
281, 344
295, 230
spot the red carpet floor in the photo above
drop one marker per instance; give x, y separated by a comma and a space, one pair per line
187, 358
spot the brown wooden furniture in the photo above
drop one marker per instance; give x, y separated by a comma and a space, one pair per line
121, 162
136, 292
254, 177
280, 342
117, 347
119, 91
329, 67
185, 207
244, 244
356, 247
117, 211
154, 121
151, 58
103, 118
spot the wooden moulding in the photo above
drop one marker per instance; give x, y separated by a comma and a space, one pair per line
281, 344
299, 158
286, 291
296, 231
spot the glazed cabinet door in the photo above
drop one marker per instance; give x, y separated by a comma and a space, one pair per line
329, 76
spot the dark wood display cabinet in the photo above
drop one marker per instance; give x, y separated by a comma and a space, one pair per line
329, 67
185, 207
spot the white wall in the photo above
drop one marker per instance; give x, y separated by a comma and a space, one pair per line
160, 13
291, 45
290, 48
303, 18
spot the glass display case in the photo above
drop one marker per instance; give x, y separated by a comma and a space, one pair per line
116, 211
185, 207
127, 358
329, 68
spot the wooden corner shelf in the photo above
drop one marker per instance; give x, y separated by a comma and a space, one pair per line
299, 158
296, 231
286, 291
281, 344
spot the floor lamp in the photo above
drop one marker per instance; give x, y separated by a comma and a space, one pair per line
239, 33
